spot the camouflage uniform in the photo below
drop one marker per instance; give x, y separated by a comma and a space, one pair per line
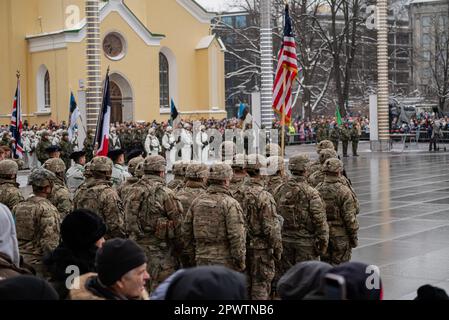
341, 210
316, 165
154, 221
321, 133
127, 186
37, 223
275, 174
264, 242
66, 150
317, 177
10, 194
97, 195
355, 138
119, 175
345, 136
60, 195
305, 233
237, 186
179, 171
334, 136
41, 149
195, 186
213, 229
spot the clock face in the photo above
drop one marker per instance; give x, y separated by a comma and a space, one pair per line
112, 45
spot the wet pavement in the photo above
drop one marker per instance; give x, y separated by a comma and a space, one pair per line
404, 217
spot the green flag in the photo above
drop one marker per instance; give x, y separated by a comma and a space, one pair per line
338, 116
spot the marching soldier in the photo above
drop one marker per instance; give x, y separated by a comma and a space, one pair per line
38, 221
341, 211
264, 243
10, 194
60, 195
154, 220
97, 195
213, 229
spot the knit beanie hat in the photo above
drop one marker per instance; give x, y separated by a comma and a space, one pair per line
116, 258
81, 229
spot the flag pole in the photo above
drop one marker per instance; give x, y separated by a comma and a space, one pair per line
283, 120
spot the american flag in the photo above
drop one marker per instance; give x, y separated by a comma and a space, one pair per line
286, 72
16, 124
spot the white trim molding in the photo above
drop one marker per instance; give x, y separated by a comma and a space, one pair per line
197, 11
59, 39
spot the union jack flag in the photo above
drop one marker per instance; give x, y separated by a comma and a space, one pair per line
286, 72
16, 124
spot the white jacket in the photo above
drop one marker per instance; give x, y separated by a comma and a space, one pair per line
152, 144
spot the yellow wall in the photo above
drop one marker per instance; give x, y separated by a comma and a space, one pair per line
183, 32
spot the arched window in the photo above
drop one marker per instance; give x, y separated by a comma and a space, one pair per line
43, 94
47, 90
164, 81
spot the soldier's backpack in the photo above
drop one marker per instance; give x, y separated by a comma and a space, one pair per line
209, 224
294, 206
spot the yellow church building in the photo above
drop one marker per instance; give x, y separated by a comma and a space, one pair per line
157, 50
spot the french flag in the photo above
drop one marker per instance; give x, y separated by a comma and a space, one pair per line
104, 119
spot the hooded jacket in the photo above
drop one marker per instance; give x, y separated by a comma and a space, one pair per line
207, 283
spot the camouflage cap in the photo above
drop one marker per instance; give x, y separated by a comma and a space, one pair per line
154, 164
228, 150
180, 167
275, 164
65, 133
139, 173
327, 154
55, 165
333, 165
132, 164
325, 144
196, 170
41, 177
8, 167
240, 161
45, 133
101, 164
220, 171
273, 149
298, 163
256, 162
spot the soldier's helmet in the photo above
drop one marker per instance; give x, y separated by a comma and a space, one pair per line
298, 163
154, 164
220, 172
256, 162
327, 154
101, 164
228, 150
325, 144
197, 170
180, 167
65, 133
41, 177
45, 133
275, 164
132, 164
273, 149
55, 165
139, 173
333, 165
240, 161
8, 167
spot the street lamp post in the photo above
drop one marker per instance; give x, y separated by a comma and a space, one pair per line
93, 63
